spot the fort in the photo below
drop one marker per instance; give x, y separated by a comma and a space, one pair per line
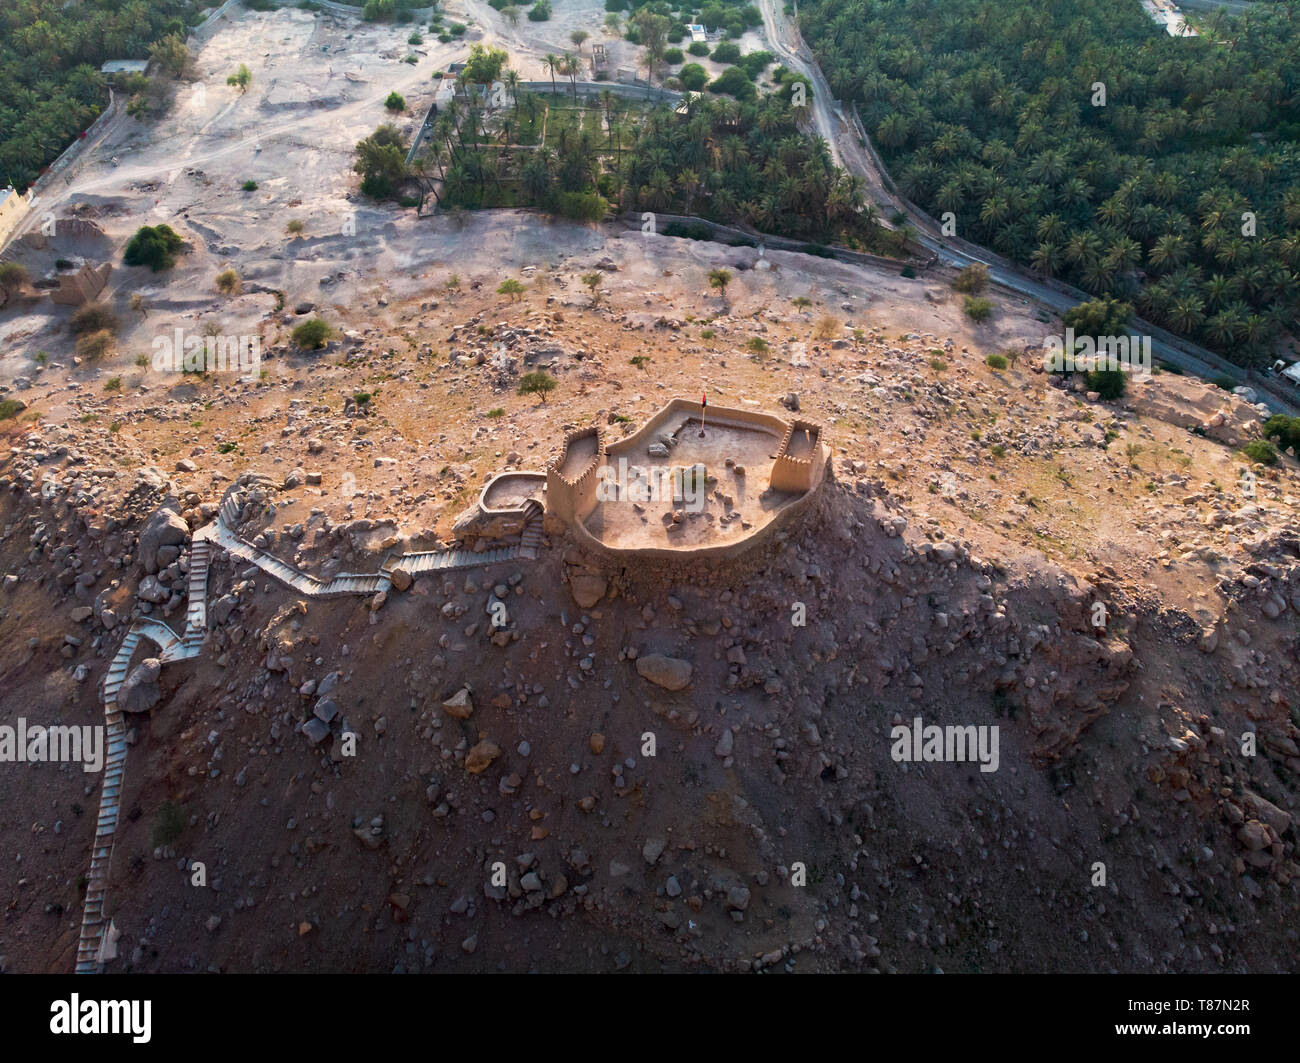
737, 478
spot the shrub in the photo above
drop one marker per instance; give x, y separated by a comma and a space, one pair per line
1224, 382
973, 279
1260, 450
154, 246
168, 823
995, 361
1286, 430
908, 272
938, 365
673, 56
698, 48
977, 309
395, 102
13, 275
827, 328
92, 317
734, 82
497, 412
415, 39
1099, 317
295, 227
540, 11
94, 345
512, 288
241, 78
1107, 383
228, 282
757, 344
693, 77
249, 186
581, 206
640, 361
113, 383
726, 53
755, 63
538, 382
311, 335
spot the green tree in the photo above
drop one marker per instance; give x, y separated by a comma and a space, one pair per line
241, 78
155, 246
538, 382
312, 334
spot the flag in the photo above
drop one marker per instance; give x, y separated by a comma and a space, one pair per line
704, 399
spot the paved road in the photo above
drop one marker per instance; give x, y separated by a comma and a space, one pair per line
842, 135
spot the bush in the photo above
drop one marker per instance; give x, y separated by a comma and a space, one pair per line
1099, 317
977, 309
13, 275
249, 186
10, 408
726, 53
154, 246
673, 56
311, 335
113, 383
168, 823
540, 11
1108, 383
973, 279
734, 82
92, 317
395, 102
295, 227
538, 382
581, 206
693, 77
1224, 382
698, 48
94, 345
512, 288
755, 63
908, 272
1286, 430
228, 282
1260, 450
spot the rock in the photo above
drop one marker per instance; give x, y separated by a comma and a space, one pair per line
164, 527
459, 705
81, 613
671, 673
738, 898
316, 730
212, 923
401, 578
326, 709
139, 692
1253, 835
725, 743
185, 465
652, 850
587, 588
597, 743
479, 758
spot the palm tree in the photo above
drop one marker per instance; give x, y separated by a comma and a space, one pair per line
553, 63
511, 78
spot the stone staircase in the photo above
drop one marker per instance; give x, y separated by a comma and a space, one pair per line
531, 541
171, 647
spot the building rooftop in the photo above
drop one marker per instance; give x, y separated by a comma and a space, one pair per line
125, 66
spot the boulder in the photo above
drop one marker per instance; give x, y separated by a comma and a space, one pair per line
139, 691
481, 756
587, 588
164, 527
671, 673
459, 705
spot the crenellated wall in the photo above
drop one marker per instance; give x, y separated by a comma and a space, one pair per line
572, 500
791, 473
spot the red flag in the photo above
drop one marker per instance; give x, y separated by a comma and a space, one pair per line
704, 399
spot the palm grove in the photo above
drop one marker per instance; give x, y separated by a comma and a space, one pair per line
1178, 194
729, 160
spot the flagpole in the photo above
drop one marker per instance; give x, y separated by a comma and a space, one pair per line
704, 404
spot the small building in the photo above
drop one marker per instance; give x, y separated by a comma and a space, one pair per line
125, 66
83, 286
13, 207
698, 33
